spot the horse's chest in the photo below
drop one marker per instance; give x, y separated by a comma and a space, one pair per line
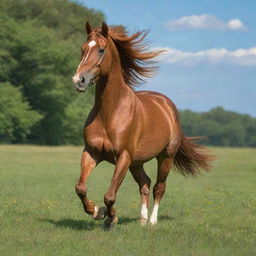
98, 140
106, 139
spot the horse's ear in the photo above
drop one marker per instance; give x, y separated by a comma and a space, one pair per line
88, 28
104, 29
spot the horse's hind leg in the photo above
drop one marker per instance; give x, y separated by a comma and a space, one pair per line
164, 166
143, 181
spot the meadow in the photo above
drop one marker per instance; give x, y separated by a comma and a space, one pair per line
40, 214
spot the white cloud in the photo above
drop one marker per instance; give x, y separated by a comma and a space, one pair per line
241, 57
204, 22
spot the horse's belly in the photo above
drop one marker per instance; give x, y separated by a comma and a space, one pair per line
151, 145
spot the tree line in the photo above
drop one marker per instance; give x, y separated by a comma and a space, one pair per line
40, 49
220, 127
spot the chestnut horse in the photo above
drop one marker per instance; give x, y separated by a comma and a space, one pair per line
128, 128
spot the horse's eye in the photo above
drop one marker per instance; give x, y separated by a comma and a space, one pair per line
101, 50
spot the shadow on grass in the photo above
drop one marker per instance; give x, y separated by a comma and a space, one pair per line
72, 224
83, 224
126, 220
165, 217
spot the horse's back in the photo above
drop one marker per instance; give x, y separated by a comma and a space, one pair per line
154, 97
153, 101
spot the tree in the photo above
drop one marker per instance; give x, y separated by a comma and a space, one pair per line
16, 116
40, 50
221, 127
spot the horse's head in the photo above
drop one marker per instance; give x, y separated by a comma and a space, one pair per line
95, 58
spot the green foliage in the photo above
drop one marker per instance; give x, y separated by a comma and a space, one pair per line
40, 50
76, 113
16, 117
222, 128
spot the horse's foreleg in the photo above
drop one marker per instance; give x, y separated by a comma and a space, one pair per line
88, 162
121, 168
143, 181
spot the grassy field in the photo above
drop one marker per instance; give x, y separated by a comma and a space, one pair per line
40, 214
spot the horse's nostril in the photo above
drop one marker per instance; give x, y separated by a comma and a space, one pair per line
82, 79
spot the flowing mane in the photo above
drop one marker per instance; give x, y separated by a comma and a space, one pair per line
136, 60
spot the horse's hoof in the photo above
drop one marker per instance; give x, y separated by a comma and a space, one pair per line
100, 213
143, 221
110, 222
152, 223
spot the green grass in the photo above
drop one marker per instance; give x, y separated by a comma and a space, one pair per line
40, 214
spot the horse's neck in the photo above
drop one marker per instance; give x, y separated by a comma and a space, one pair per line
111, 92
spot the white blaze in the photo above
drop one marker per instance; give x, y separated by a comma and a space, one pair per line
76, 76
92, 43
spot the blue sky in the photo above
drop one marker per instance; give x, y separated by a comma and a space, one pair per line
211, 48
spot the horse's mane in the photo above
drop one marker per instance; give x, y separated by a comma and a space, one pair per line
136, 60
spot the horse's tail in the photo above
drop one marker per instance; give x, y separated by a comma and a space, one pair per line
191, 157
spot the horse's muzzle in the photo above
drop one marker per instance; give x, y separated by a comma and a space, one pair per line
82, 82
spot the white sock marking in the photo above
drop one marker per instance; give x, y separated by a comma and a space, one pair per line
153, 218
144, 211
95, 213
